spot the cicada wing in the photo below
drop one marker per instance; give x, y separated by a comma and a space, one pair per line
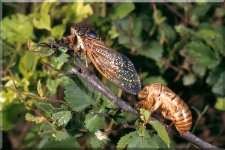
116, 67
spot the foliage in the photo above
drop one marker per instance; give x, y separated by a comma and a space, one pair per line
166, 46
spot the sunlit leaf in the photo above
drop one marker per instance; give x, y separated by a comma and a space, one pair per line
80, 95
94, 122
42, 22
16, 28
132, 140
151, 50
202, 54
121, 10
39, 89
220, 104
162, 132
62, 117
32, 118
46, 107
189, 79
69, 143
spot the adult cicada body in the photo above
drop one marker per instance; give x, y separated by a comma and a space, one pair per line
113, 65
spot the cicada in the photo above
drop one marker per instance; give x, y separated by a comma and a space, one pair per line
113, 65
172, 106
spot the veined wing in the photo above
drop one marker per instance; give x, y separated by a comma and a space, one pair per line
116, 67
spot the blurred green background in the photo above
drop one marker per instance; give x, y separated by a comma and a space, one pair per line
180, 45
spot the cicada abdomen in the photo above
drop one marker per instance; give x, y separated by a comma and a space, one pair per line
114, 66
173, 107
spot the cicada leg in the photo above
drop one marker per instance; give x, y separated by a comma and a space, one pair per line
86, 64
77, 50
168, 115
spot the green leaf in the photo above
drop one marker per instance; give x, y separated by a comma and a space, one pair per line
214, 75
78, 11
49, 131
39, 89
45, 51
152, 50
209, 33
16, 28
98, 139
145, 115
157, 17
95, 142
202, 54
143, 75
220, 103
161, 131
200, 70
107, 103
53, 84
132, 140
113, 33
10, 116
29, 61
162, 144
183, 30
31, 137
120, 119
213, 39
141, 131
94, 122
125, 140
32, 118
62, 58
121, 10
43, 22
143, 142
219, 87
69, 142
45, 8
169, 32
189, 79
154, 79
80, 95
136, 27
58, 31
46, 107
60, 135
62, 117
201, 8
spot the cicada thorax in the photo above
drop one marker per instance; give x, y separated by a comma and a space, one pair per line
113, 65
172, 106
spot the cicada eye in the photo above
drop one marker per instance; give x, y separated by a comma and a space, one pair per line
92, 34
81, 31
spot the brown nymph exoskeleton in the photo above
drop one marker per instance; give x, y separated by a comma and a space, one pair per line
172, 106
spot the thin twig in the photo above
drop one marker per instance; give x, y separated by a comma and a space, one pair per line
35, 97
23, 101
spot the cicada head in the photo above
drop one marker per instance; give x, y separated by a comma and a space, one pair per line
150, 91
143, 94
78, 30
